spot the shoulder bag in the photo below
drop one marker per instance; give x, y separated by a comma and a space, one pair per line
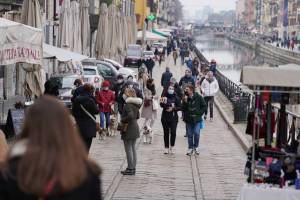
98, 128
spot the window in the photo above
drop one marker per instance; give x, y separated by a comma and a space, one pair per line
104, 70
88, 71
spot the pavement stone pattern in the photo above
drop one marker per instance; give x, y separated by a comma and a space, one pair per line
216, 174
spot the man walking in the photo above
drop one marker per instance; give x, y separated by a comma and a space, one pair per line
166, 77
193, 106
209, 88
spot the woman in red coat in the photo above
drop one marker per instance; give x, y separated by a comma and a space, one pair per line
105, 99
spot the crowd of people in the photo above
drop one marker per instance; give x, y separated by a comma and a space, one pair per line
53, 137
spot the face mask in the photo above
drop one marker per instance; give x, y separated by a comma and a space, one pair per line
124, 96
130, 79
105, 88
120, 81
171, 91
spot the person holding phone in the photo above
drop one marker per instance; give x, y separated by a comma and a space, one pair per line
170, 103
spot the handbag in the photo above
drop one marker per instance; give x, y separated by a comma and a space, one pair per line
98, 128
122, 127
155, 105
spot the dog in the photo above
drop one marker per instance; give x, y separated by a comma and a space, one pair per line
113, 126
102, 134
147, 135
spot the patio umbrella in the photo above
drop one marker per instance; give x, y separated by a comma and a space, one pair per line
65, 25
75, 36
34, 78
85, 27
119, 37
102, 40
125, 33
134, 29
112, 17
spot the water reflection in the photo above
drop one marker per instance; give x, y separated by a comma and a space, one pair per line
230, 56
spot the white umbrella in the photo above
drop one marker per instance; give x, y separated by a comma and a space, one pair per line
125, 32
34, 78
119, 37
85, 27
112, 17
75, 36
102, 43
65, 25
134, 29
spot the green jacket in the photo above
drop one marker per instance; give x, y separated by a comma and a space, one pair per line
194, 108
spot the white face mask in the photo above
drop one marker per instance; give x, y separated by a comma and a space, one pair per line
171, 91
105, 88
124, 96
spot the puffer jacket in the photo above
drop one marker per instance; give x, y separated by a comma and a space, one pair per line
104, 100
209, 88
194, 108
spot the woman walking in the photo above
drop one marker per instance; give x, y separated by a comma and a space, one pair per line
84, 110
49, 160
149, 113
169, 119
130, 131
175, 56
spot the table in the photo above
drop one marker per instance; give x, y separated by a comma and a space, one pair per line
256, 192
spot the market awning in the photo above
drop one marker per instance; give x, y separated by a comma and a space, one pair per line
161, 33
61, 54
282, 76
20, 43
149, 36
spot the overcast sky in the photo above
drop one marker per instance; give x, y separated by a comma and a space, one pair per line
217, 5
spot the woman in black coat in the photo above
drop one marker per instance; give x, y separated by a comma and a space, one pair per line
86, 125
169, 118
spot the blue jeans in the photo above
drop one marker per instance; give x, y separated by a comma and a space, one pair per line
104, 116
193, 131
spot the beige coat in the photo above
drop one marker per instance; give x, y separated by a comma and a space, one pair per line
3, 146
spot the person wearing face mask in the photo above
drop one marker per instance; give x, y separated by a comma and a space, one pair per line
105, 100
187, 79
170, 103
147, 110
194, 107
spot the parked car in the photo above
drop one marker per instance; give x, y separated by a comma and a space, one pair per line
123, 70
105, 69
65, 86
91, 75
133, 55
148, 54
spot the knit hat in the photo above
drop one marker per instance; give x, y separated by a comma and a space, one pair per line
130, 92
105, 83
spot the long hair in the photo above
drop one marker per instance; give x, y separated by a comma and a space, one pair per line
55, 151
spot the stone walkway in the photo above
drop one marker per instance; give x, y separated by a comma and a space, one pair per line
216, 174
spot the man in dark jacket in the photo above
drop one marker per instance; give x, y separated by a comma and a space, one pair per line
194, 107
166, 77
149, 62
187, 79
84, 110
79, 89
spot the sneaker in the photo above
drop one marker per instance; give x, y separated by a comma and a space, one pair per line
166, 151
189, 152
172, 150
197, 151
128, 172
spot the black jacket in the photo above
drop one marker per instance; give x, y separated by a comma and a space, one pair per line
87, 126
186, 80
177, 88
170, 116
9, 189
165, 78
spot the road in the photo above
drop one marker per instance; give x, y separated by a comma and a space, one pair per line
216, 174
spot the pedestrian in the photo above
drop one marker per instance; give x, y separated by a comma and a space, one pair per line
118, 86
292, 44
3, 147
156, 53
143, 76
195, 68
49, 160
84, 110
105, 100
209, 88
78, 89
176, 86
187, 79
175, 56
182, 55
160, 58
51, 88
130, 132
149, 62
165, 78
194, 107
149, 113
171, 104
189, 63
213, 66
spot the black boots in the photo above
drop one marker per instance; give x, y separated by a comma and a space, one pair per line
128, 172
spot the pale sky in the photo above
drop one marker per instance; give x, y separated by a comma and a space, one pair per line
217, 5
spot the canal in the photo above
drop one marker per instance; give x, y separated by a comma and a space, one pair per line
231, 57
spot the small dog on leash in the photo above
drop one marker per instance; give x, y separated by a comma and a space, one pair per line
147, 135
102, 134
113, 126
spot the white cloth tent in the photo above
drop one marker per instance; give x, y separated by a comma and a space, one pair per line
75, 36
85, 27
102, 40
19, 43
149, 36
65, 25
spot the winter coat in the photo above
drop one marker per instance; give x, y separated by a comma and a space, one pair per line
86, 125
79, 90
105, 99
171, 100
175, 55
10, 190
177, 88
186, 80
147, 109
130, 116
194, 108
165, 78
149, 64
209, 88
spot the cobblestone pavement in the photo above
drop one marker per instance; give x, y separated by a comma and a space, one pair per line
216, 174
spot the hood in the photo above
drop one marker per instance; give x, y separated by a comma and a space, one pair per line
134, 100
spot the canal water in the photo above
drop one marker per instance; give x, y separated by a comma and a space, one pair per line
231, 57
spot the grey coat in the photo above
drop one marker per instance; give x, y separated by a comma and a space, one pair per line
130, 115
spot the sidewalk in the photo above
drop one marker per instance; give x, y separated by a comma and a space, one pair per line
216, 174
